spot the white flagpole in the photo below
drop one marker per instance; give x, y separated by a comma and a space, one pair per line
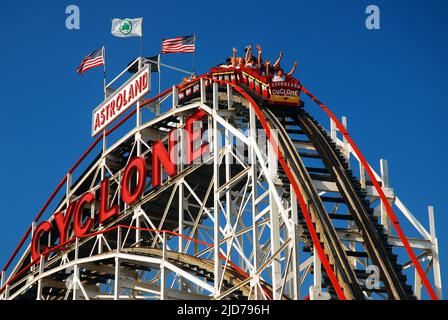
194, 40
141, 45
104, 74
160, 69
160, 83
105, 95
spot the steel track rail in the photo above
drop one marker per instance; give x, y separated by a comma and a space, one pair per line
390, 212
372, 241
333, 246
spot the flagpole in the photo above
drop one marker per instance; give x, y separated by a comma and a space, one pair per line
104, 73
105, 96
160, 69
194, 64
141, 46
141, 43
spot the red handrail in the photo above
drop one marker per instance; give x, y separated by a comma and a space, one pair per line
393, 218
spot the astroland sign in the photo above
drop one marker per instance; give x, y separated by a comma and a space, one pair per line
128, 94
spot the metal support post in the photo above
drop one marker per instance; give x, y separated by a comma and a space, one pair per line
275, 227
75, 272
294, 246
162, 270
254, 183
435, 253
39, 282
385, 221
175, 96
117, 287
216, 144
179, 156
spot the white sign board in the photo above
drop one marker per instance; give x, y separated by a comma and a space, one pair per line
128, 94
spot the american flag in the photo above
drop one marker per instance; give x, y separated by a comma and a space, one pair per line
95, 59
184, 44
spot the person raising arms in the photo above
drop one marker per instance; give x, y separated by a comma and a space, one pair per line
259, 59
248, 51
267, 69
237, 62
277, 63
280, 75
251, 60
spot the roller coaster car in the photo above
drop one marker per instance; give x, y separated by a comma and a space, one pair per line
276, 93
189, 89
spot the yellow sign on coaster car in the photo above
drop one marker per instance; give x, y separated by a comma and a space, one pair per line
285, 92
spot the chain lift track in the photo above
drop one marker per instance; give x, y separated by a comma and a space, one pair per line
273, 211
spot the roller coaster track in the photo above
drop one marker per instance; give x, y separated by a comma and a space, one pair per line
336, 169
331, 243
390, 212
296, 137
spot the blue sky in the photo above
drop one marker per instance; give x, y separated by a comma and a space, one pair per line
389, 83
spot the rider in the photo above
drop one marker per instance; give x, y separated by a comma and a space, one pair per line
280, 74
237, 62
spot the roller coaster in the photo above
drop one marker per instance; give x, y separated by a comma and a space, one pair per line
225, 187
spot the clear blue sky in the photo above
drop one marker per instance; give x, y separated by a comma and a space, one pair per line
390, 83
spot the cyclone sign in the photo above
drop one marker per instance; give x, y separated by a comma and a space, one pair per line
132, 183
284, 91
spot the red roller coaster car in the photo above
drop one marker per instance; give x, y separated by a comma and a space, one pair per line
281, 92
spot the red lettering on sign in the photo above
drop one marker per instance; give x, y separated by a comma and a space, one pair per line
79, 227
161, 158
103, 119
105, 213
119, 101
131, 92
63, 222
137, 164
130, 194
97, 121
138, 86
35, 247
144, 81
125, 99
112, 108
